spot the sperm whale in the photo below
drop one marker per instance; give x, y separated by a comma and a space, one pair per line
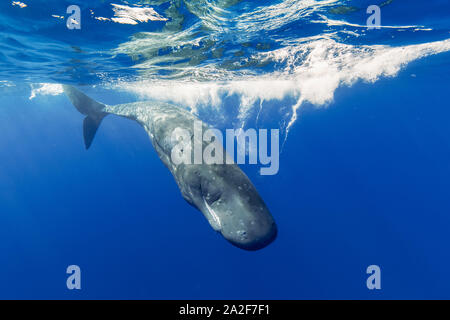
222, 192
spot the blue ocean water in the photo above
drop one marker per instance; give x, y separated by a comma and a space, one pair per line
364, 173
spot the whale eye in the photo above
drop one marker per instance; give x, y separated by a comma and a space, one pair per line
212, 197
211, 191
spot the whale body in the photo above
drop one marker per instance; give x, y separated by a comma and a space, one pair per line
222, 192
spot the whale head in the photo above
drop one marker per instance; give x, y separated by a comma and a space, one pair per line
232, 206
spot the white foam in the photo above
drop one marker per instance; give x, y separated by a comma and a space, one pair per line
19, 4
331, 22
132, 15
308, 71
52, 89
273, 16
311, 72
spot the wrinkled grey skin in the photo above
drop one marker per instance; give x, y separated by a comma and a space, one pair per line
222, 192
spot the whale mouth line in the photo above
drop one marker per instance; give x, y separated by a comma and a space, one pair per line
217, 224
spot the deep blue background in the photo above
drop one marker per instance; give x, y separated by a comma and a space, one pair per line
364, 181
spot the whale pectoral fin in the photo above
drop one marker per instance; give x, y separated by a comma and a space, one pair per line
90, 126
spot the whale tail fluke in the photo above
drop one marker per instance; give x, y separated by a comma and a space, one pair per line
92, 109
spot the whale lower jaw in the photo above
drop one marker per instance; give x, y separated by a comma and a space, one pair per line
256, 244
